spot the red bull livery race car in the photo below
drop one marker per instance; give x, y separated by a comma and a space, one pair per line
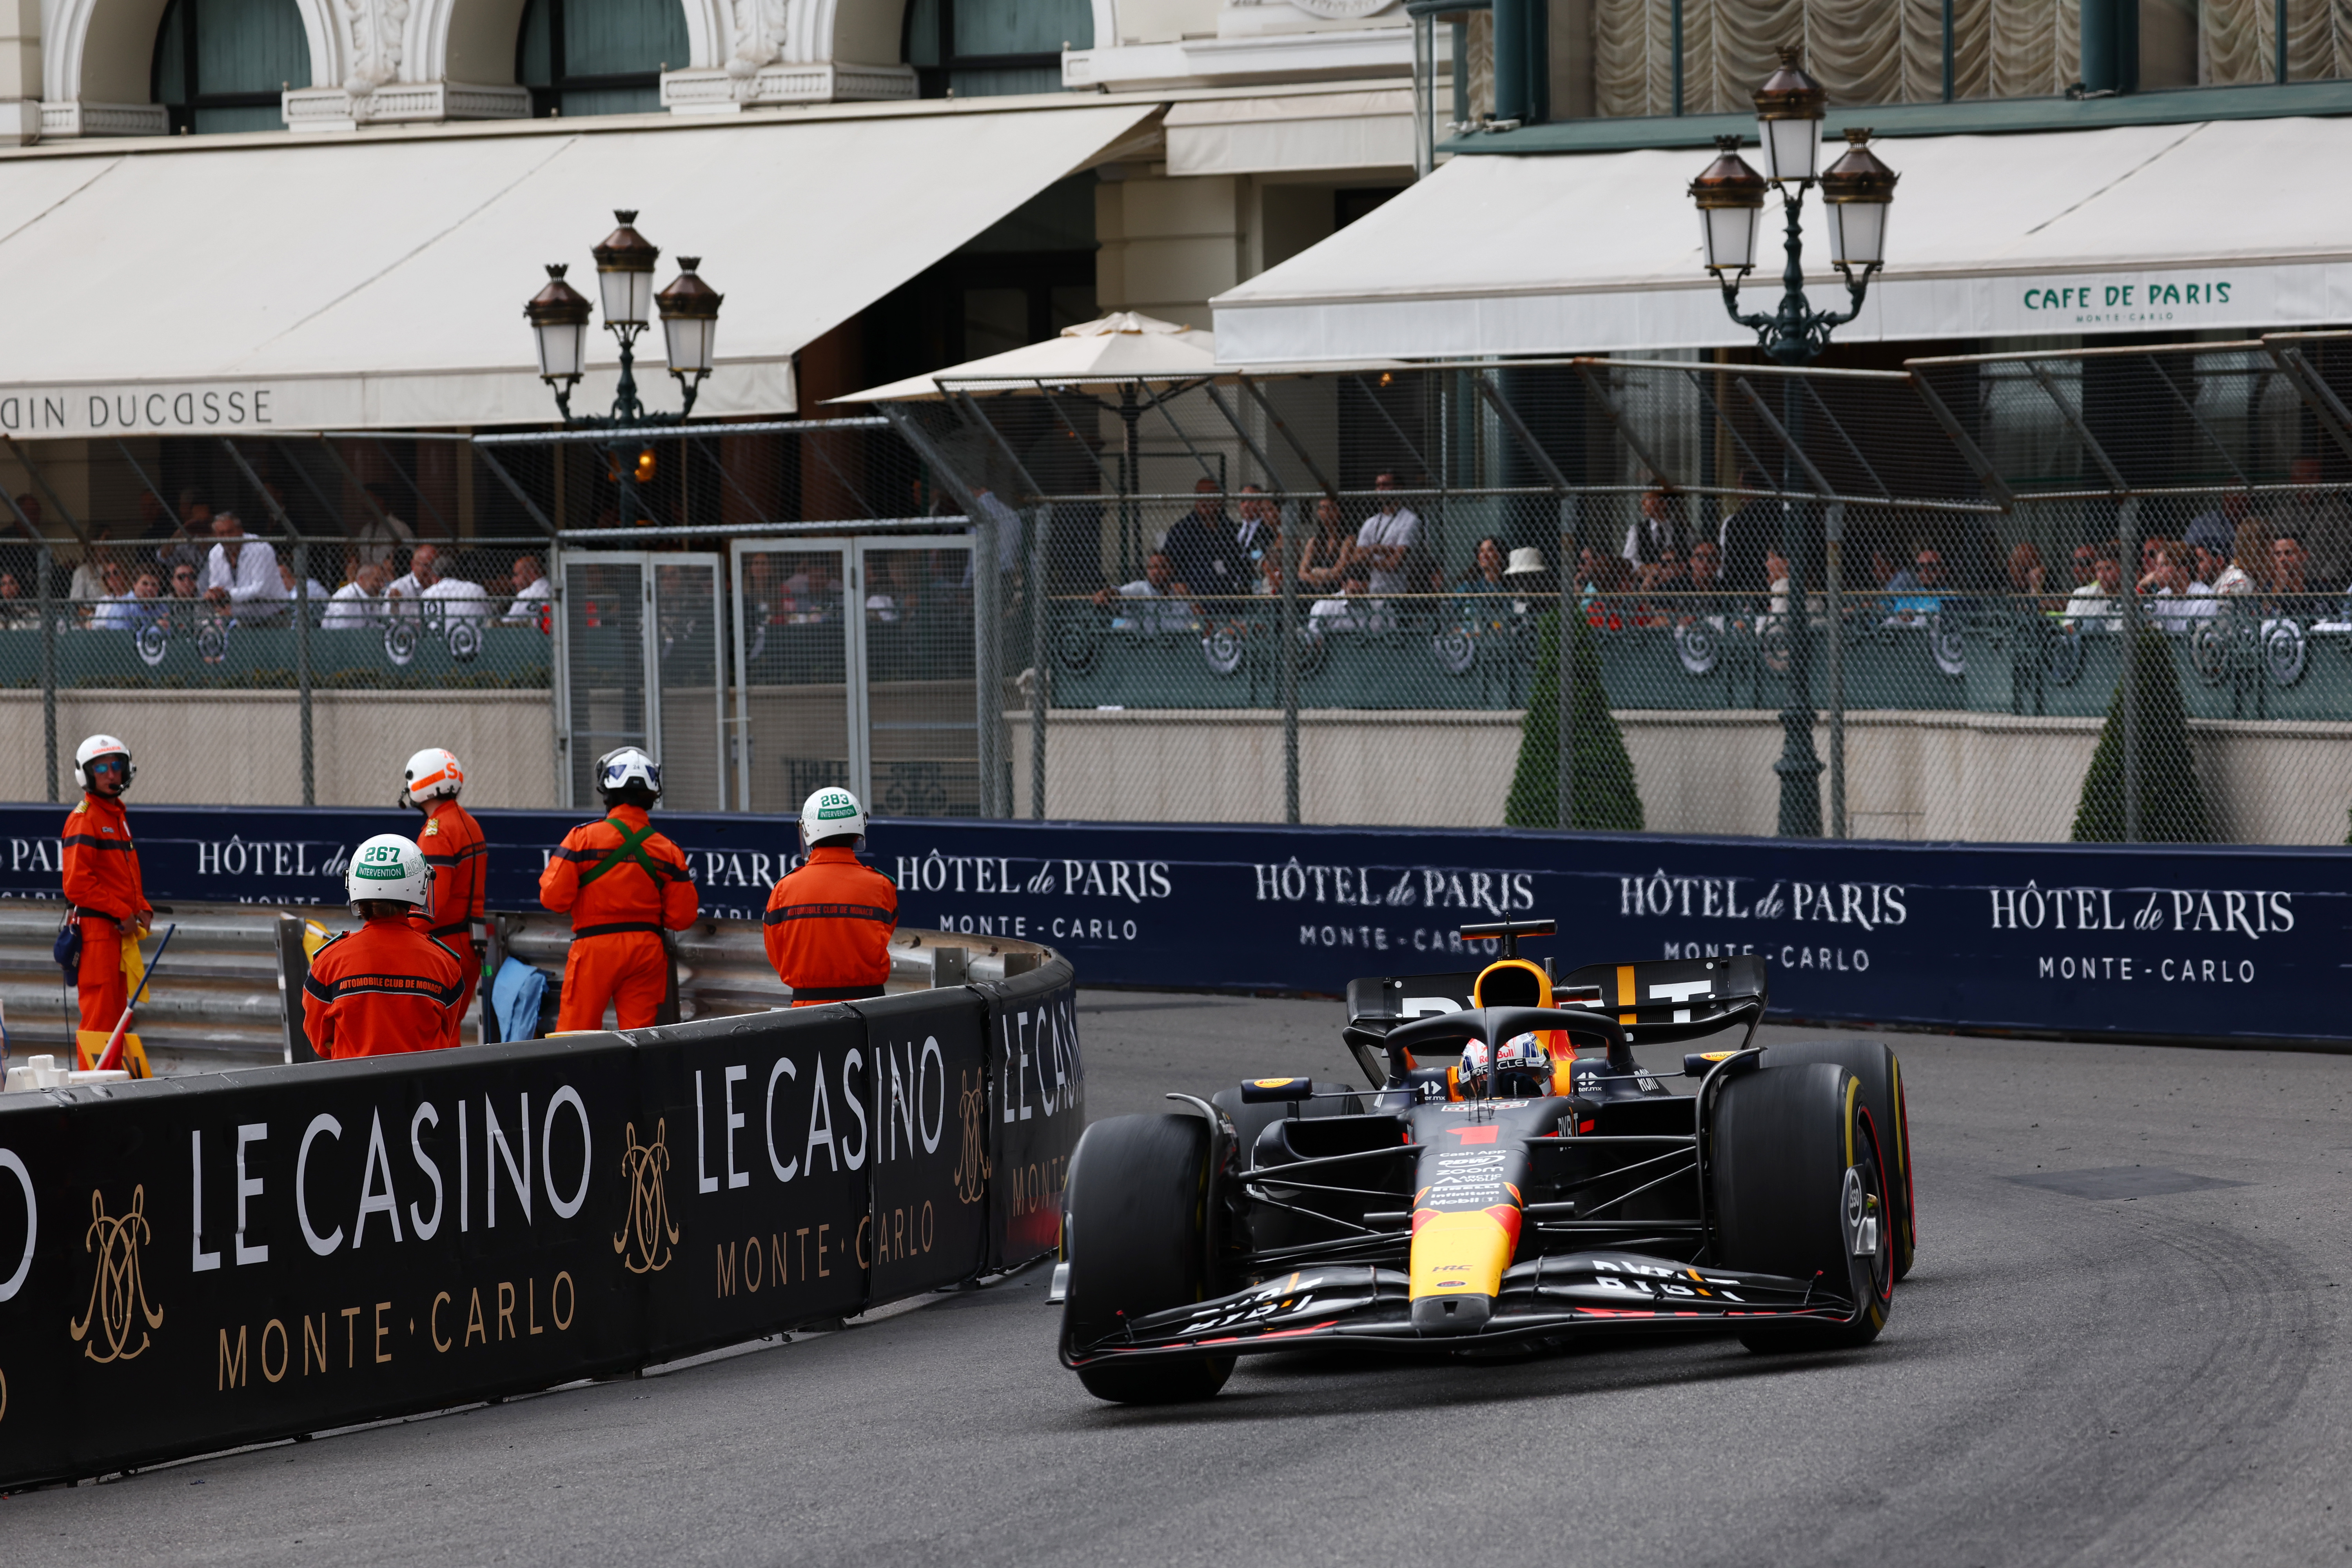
1518, 1177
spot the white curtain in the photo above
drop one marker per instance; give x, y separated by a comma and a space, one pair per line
1863, 51
2237, 40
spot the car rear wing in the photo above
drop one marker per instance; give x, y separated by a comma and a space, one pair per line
1670, 999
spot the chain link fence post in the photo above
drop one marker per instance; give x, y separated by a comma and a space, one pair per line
1289, 679
42, 568
1832, 588
1564, 737
2128, 568
1038, 696
302, 666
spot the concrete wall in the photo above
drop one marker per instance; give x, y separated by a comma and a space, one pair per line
245, 748
1910, 775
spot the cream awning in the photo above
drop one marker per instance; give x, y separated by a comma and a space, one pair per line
2167, 228
259, 282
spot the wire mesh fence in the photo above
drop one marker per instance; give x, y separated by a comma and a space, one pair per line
1889, 605
1871, 605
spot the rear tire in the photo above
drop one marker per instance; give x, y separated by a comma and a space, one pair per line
1137, 1238
1874, 1062
1796, 1179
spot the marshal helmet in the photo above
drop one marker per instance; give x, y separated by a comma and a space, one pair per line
389, 869
831, 813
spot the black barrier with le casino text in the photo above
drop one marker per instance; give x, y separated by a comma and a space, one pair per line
188, 1264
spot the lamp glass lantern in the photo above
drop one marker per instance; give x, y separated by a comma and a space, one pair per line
1857, 192
1789, 107
558, 321
689, 317
1730, 197
624, 274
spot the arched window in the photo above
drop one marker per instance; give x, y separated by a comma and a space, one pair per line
598, 57
976, 48
220, 65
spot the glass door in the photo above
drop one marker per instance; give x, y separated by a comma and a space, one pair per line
641, 661
794, 706
922, 723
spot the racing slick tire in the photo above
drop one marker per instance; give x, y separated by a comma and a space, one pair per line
1136, 1230
1874, 1062
1798, 1189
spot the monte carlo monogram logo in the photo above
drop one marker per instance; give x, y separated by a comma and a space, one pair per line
118, 1298
971, 1158
647, 1234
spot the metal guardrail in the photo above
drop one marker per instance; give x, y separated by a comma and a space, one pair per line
217, 1002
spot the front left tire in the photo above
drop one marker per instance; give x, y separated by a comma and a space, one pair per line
1137, 1235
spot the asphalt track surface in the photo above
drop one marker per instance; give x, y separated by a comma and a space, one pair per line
2146, 1363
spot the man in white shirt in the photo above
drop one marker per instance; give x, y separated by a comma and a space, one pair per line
424, 570
532, 592
1160, 610
241, 573
459, 600
2097, 604
1387, 537
357, 603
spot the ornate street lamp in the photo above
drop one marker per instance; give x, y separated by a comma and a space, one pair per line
625, 283
1855, 193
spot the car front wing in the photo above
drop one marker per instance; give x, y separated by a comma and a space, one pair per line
1363, 1305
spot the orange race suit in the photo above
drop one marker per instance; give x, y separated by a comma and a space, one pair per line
828, 927
383, 988
109, 900
623, 884
452, 846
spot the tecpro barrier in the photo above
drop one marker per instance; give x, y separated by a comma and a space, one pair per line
2144, 940
190, 1264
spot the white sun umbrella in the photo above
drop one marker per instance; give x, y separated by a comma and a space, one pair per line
1122, 347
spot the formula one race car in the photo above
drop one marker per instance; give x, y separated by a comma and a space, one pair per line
1518, 1178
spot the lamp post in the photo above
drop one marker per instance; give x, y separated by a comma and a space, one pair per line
624, 281
1855, 193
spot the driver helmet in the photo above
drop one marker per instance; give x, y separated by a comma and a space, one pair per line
1473, 1071
1524, 1064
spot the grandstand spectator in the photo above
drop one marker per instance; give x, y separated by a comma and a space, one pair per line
358, 603
2289, 561
1706, 567
89, 584
1745, 533
1915, 594
1486, 574
1654, 533
2250, 558
1203, 549
2175, 597
532, 596
1329, 550
2321, 519
1353, 609
17, 610
2026, 573
1155, 602
313, 590
2097, 604
241, 574
116, 610
1388, 536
